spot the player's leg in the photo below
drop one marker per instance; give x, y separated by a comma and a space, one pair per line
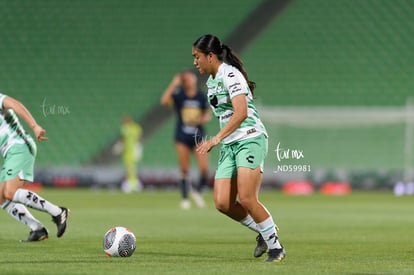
183, 154
14, 191
139, 186
18, 168
138, 153
249, 173
131, 180
225, 199
225, 189
202, 160
20, 213
248, 185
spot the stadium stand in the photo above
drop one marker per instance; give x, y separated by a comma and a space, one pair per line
342, 54
100, 61
80, 66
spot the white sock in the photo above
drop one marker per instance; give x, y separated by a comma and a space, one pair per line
21, 213
250, 223
33, 200
269, 234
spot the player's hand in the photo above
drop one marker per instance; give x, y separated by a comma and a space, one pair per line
206, 146
40, 133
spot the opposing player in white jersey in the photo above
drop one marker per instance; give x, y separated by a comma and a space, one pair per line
244, 143
19, 151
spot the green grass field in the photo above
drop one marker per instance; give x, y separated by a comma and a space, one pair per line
363, 233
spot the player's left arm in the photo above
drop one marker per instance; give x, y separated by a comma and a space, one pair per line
239, 103
238, 96
23, 112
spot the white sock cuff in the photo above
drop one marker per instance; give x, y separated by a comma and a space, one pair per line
19, 195
266, 225
248, 220
250, 223
5, 204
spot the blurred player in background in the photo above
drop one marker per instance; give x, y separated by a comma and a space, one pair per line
19, 151
131, 149
193, 112
244, 143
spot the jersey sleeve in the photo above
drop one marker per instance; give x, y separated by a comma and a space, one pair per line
235, 83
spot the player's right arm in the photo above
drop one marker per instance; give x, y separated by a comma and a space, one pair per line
21, 111
166, 98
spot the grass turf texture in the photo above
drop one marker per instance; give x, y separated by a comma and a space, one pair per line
360, 233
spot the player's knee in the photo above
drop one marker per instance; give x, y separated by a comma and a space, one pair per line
8, 193
248, 202
222, 206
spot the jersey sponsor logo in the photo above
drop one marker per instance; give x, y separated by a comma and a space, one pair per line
226, 116
191, 103
235, 88
191, 115
215, 89
250, 159
251, 131
231, 74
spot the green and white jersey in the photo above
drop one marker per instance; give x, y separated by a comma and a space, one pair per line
11, 131
228, 83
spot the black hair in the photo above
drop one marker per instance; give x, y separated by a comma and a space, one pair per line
211, 44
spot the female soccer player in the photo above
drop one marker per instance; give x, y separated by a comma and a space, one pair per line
244, 143
19, 150
192, 113
131, 133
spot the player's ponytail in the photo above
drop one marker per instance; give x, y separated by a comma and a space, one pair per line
235, 61
209, 43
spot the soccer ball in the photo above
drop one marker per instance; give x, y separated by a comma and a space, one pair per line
119, 242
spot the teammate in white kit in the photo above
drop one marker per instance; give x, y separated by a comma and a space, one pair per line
19, 151
244, 143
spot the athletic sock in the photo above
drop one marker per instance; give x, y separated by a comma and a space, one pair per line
250, 223
269, 234
20, 213
33, 200
184, 188
201, 184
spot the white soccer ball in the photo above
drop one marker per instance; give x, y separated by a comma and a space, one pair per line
119, 242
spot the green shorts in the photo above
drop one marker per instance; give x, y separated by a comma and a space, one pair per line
18, 162
248, 153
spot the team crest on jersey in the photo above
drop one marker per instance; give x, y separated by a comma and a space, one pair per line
216, 89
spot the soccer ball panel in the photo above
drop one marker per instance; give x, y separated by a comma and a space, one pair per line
119, 242
126, 246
